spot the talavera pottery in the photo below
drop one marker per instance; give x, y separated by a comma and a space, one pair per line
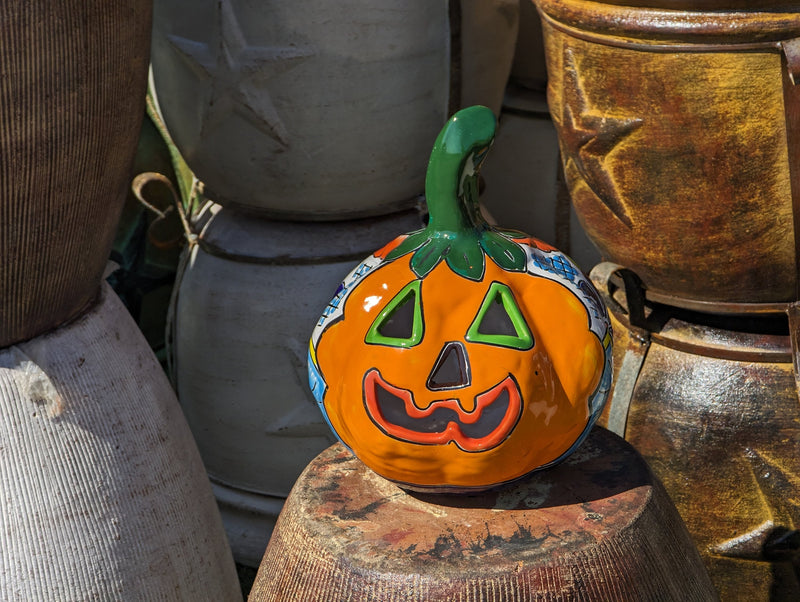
71, 106
712, 406
461, 356
245, 295
104, 496
679, 135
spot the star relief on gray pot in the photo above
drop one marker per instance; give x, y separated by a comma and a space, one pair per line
587, 137
237, 72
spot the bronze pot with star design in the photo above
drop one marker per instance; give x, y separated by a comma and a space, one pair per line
679, 130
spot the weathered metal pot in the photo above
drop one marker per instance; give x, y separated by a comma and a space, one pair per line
72, 103
104, 496
711, 404
248, 294
679, 129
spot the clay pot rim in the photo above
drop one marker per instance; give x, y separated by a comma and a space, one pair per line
661, 27
237, 234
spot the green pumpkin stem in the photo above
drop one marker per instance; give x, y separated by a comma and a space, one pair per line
457, 231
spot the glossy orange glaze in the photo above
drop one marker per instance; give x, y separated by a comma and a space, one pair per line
554, 378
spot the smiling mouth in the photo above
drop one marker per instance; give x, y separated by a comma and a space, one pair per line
392, 409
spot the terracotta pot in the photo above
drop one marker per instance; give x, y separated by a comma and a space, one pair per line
679, 131
711, 404
73, 102
247, 299
304, 109
104, 492
597, 527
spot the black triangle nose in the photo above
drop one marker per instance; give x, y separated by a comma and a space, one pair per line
451, 369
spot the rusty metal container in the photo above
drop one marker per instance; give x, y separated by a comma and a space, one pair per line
677, 126
711, 404
71, 105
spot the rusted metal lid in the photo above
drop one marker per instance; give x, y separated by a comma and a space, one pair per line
677, 21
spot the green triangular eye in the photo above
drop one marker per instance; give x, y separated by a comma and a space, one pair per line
500, 321
400, 323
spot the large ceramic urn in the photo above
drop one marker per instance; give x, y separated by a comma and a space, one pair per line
678, 129
304, 109
314, 110
104, 496
71, 105
244, 299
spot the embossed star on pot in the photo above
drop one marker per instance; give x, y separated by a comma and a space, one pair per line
778, 537
587, 137
236, 72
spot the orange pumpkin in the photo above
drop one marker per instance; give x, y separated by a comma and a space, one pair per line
460, 357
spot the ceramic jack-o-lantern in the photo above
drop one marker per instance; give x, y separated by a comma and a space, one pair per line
461, 357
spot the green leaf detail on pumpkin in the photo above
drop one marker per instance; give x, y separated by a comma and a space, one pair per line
457, 232
429, 255
465, 254
505, 252
413, 242
510, 233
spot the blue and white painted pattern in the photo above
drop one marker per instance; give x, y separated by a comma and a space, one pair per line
556, 266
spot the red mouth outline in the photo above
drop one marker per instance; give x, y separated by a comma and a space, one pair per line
453, 430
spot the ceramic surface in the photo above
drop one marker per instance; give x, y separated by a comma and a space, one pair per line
245, 295
678, 132
304, 109
597, 527
459, 355
71, 105
104, 496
